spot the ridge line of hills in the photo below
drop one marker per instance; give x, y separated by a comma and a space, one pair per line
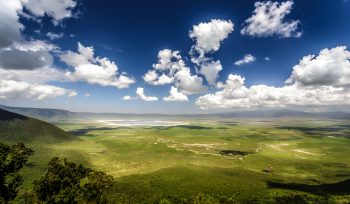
19, 128
59, 114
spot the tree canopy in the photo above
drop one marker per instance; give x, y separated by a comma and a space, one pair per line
67, 182
12, 159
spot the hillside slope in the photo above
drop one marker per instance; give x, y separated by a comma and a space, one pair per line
41, 113
19, 128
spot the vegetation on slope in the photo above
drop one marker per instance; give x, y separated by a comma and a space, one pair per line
19, 128
12, 159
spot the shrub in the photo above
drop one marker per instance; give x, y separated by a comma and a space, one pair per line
12, 160
67, 182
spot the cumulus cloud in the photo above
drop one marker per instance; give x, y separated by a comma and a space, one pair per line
329, 67
175, 95
27, 55
140, 94
189, 84
26, 66
57, 9
166, 59
127, 98
210, 70
17, 59
316, 80
235, 94
268, 19
10, 27
54, 36
171, 68
209, 35
32, 84
94, 70
11, 10
41, 75
151, 77
10, 89
16, 52
248, 58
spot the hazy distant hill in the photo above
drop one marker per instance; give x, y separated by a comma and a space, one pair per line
41, 113
18, 128
57, 114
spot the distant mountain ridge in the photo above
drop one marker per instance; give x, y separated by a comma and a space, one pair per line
41, 113
18, 128
58, 114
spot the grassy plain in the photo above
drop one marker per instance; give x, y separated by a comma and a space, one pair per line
242, 160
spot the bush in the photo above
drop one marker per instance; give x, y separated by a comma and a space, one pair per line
302, 199
67, 182
12, 159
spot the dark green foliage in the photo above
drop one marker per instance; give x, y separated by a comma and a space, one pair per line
67, 182
302, 199
233, 152
338, 188
202, 199
12, 159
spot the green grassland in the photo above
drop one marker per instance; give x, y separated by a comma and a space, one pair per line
240, 160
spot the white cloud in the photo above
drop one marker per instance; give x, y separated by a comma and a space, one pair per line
54, 36
127, 98
175, 95
17, 52
27, 55
85, 55
27, 65
189, 84
235, 94
151, 77
87, 94
56, 9
11, 10
329, 67
10, 27
248, 58
208, 36
140, 94
34, 45
322, 80
70, 93
97, 70
41, 75
268, 19
166, 58
267, 58
171, 68
10, 89
210, 70
32, 84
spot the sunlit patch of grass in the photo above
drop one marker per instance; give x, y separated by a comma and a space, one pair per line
212, 157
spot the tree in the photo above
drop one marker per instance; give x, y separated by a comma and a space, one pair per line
202, 198
12, 159
67, 182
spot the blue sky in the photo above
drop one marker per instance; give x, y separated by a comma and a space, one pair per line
131, 33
